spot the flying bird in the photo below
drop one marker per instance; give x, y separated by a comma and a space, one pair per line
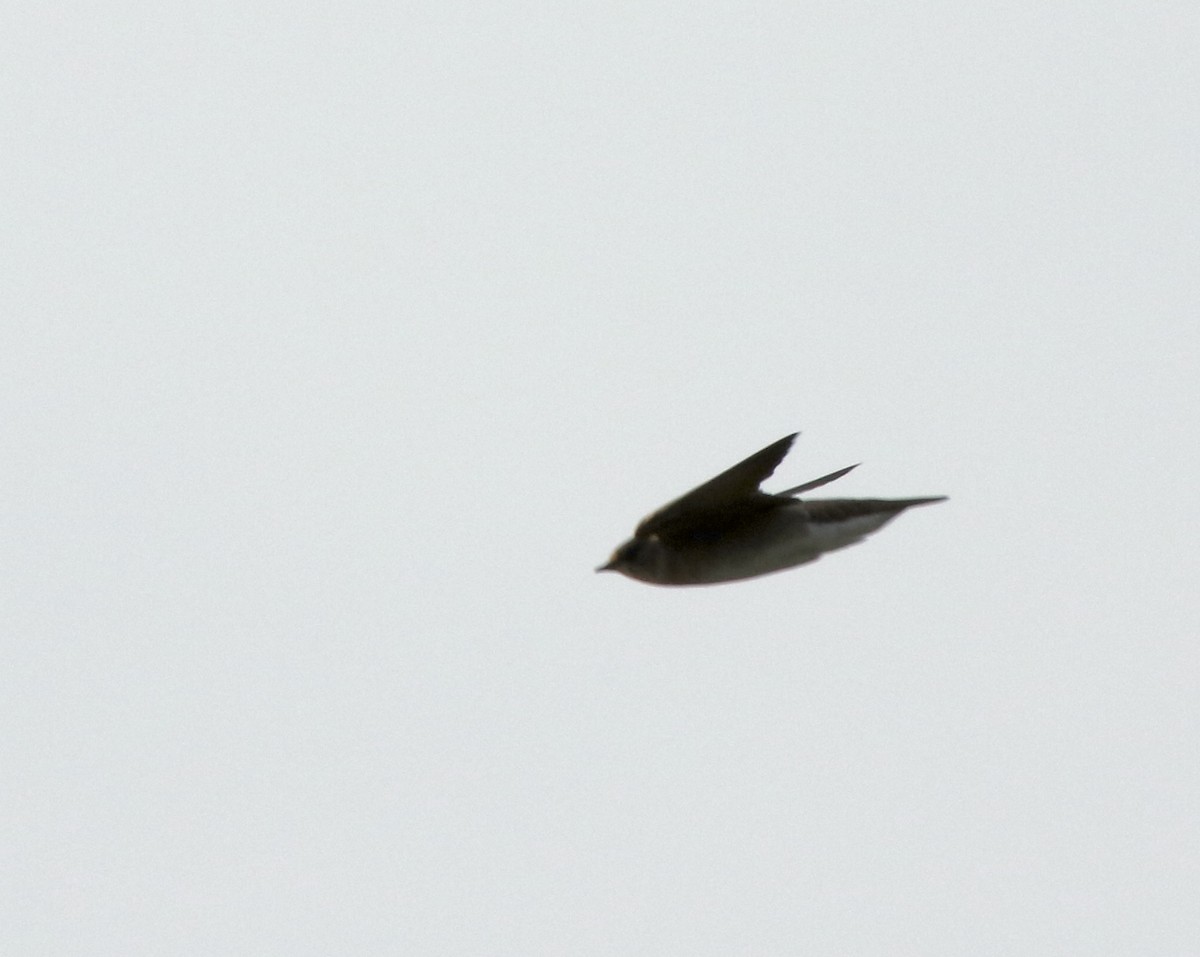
728, 529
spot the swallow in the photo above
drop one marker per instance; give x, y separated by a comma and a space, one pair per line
728, 529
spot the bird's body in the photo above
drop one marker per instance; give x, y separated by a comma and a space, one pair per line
727, 529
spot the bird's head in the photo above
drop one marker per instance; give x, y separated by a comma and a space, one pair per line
639, 558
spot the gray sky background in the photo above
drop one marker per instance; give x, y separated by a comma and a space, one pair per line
340, 343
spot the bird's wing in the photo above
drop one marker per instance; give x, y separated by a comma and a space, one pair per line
818, 482
736, 485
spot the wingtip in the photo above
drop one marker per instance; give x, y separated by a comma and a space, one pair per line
787, 442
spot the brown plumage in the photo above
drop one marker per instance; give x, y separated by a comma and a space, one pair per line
728, 528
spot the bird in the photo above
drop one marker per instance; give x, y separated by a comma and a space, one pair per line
728, 529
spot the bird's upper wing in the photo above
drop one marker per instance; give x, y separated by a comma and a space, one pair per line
736, 486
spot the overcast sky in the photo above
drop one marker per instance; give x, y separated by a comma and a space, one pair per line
339, 344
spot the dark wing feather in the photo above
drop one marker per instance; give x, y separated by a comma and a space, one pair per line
735, 487
818, 482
